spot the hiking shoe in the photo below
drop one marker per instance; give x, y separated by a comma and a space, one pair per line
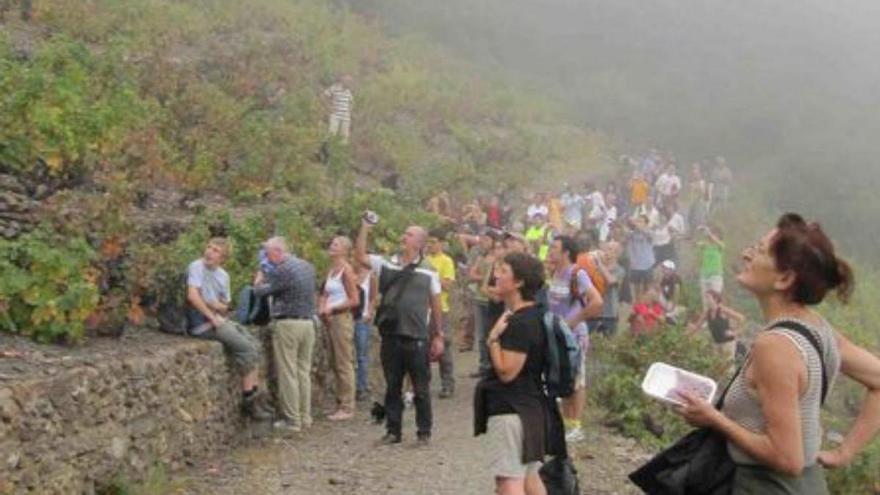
390, 439
255, 407
286, 426
575, 435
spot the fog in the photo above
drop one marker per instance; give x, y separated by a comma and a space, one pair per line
788, 91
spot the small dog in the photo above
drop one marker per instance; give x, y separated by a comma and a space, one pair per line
378, 413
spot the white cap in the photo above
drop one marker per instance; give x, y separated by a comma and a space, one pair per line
668, 264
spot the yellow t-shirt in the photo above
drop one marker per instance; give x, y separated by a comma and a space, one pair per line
445, 270
639, 192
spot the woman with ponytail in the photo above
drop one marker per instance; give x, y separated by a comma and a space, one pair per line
770, 416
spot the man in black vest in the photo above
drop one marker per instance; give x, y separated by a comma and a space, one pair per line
409, 288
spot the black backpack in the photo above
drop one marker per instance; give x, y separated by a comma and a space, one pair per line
171, 310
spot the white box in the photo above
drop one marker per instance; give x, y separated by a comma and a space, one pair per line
663, 381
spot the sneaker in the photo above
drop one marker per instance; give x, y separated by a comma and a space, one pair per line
286, 426
575, 435
423, 439
362, 396
390, 439
445, 393
341, 415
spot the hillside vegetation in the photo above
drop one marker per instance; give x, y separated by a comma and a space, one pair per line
156, 122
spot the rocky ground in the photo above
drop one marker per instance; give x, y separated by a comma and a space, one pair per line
344, 458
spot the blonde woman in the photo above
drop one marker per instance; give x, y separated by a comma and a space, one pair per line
338, 298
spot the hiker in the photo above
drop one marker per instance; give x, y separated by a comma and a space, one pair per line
510, 401
479, 269
670, 292
722, 179
771, 414
572, 208
410, 291
647, 313
723, 323
207, 316
666, 229
640, 191
537, 207
614, 273
572, 296
711, 250
668, 186
368, 291
640, 252
292, 309
445, 268
339, 297
698, 187
340, 101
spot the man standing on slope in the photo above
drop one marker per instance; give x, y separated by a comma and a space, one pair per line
410, 289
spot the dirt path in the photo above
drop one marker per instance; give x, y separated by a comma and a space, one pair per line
341, 459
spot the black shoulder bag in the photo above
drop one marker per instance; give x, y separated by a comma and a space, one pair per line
699, 463
387, 318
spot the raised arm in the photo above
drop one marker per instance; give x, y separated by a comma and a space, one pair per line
360, 246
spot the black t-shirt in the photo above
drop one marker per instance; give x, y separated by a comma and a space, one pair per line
525, 334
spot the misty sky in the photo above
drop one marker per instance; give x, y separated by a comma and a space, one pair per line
789, 91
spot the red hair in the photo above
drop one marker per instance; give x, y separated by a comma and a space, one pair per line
805, 250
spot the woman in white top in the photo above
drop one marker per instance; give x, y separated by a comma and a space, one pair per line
338, 298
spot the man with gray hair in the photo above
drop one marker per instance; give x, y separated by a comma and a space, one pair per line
292, 308
410, 290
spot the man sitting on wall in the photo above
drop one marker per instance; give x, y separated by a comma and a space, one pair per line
208, 298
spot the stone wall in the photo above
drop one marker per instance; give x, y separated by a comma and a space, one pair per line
96, 416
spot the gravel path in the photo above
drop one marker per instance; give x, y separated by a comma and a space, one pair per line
344, 458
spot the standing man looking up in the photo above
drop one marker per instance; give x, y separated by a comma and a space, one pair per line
292, 287
341, 102
573, 297
445, 268
409, 288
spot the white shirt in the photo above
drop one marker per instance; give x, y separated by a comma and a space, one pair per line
535, 210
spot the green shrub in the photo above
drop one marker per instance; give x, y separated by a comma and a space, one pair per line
48, 286
620, 365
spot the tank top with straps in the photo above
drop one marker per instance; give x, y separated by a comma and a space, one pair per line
743, 405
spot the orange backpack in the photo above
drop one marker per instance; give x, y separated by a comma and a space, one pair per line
586, 262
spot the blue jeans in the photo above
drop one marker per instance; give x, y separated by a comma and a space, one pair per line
362, 353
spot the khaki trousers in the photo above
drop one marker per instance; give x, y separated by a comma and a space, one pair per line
293, 342
341, 333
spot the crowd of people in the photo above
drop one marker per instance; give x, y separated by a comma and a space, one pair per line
592, 257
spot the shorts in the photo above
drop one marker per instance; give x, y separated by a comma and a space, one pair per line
641, 276
504, 433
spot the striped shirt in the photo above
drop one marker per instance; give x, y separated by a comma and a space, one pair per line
341, 101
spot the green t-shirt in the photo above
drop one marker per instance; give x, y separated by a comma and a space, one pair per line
711, 260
